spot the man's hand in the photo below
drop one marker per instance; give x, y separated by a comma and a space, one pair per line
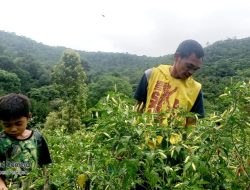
190, 121
140, 107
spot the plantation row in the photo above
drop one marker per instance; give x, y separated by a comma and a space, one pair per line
121, 149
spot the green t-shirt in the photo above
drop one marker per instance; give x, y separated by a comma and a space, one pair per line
18, 157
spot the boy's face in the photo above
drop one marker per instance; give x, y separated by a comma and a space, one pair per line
15, 127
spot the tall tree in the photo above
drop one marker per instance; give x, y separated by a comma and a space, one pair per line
69, 79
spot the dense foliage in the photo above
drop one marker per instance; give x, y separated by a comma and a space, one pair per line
124, 149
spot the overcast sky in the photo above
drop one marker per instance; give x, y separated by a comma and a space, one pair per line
142, 27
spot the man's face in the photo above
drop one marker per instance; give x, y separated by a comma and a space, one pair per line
185, 67
15, 127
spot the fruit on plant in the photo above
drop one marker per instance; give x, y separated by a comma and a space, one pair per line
175, 138
151, 143
82, 178
159, 139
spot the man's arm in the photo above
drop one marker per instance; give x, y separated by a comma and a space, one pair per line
141, 94
197, 109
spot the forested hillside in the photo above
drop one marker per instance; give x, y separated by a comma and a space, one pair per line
15, 46
32, 62
224, 60
127, 66
82, 102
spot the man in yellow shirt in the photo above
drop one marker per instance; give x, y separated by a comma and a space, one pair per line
171, 86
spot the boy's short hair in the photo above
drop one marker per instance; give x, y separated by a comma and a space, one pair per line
187, 47
13, 106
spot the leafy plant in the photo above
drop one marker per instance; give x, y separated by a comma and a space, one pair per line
124, 149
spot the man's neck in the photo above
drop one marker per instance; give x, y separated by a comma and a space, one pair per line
173, 72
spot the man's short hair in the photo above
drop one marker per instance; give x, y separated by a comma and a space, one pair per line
13, 106
187, 47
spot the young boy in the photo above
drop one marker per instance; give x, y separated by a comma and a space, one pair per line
21, 149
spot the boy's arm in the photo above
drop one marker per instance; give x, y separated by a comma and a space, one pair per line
2, 184
44, 160
46, 176
2, 162
43, 150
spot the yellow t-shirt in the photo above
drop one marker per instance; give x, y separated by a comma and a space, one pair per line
166, 92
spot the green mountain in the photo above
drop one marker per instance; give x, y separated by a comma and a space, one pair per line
223, 60
14, 46
234, 53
